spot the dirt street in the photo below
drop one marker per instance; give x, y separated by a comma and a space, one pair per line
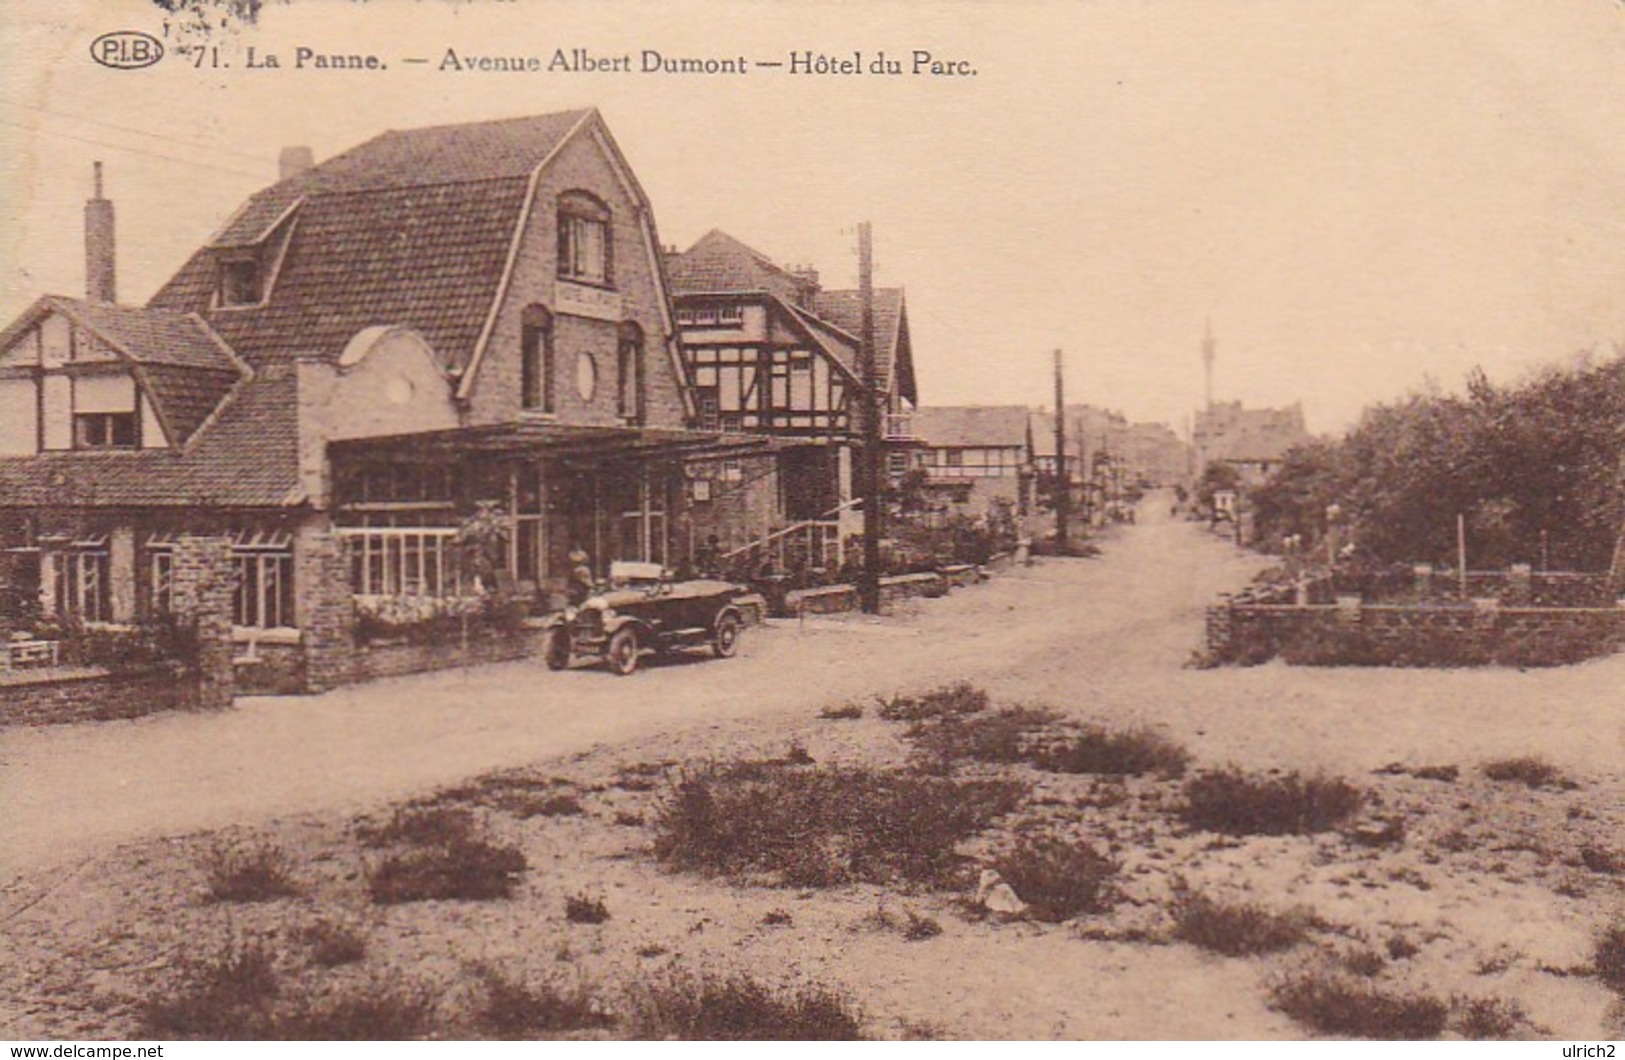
1488, 895
68, 791
1105, 638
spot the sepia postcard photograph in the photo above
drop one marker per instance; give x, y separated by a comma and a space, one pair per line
908, 521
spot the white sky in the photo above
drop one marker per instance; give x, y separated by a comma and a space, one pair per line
1360, 195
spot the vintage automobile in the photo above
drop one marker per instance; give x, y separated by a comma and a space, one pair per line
643, 610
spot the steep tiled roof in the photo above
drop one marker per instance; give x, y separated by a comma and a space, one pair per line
717, 262
248, 459
893, 351
429, 257
950, 426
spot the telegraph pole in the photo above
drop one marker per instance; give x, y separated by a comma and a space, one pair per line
1063, 479
869, 582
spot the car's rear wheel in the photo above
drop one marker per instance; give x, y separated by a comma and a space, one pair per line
726, 639
557, 652
621, 655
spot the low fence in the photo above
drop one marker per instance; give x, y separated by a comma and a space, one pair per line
834, 599
62, 694
1353, 633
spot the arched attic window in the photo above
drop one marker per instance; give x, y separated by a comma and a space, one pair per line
536, 371
586, 252
629, 377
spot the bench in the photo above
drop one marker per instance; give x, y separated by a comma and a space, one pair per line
27, 653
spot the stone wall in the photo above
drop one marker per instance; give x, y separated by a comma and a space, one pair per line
203, 589
58, 696
394, 660
1350, 632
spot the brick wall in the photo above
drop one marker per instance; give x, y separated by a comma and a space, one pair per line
92, 695
203, 587
393, 660
496, 397
1351, 633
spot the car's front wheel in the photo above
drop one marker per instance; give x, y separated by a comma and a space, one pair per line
557, 653
726, 639
621, 655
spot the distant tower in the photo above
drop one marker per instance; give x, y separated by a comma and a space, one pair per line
99, 245
1209, 347
1202, 425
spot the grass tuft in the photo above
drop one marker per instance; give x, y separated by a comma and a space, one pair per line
823, 826
332, 943
1489, 1019
1237, 929
949, 701
842, 712
1096, 750
1528, 770
1004, 738
515, 1008
1058, 879
257, 873
1236, 803
1608, 958
739, 1008
585, 909
217, 997
1336, 1004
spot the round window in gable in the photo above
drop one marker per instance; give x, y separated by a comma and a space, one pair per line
399, 390
586, 376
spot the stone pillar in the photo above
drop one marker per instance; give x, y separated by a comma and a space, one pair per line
1423, 575
203, 585
1348, 609
326, 607
121, 573
1520, 585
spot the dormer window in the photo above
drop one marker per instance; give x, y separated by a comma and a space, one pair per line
585, 253
105, 430
240, 282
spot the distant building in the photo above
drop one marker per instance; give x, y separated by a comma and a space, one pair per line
973, 455
1253, 441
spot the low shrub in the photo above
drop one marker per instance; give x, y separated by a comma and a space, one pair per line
911, 925
1488, 1018
248, 873
1608, 958
822, 826
1335, 1004
217, 997
949, 701
1232, 802
1237, 929
1057, 878
422, 825
585, 909
473, 869
332, 944
1528, 770
1129, 753
376, 1010
739, 1008
842, 712
1004, 737
515, 1008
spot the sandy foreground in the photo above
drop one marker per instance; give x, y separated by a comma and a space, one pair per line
1445, 884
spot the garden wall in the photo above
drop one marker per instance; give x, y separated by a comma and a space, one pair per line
1353, 633
61, 695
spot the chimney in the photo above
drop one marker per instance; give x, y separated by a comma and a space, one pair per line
99, 245
806, 277
294, 161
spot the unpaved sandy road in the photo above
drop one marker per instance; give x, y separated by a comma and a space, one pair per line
1105, 638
